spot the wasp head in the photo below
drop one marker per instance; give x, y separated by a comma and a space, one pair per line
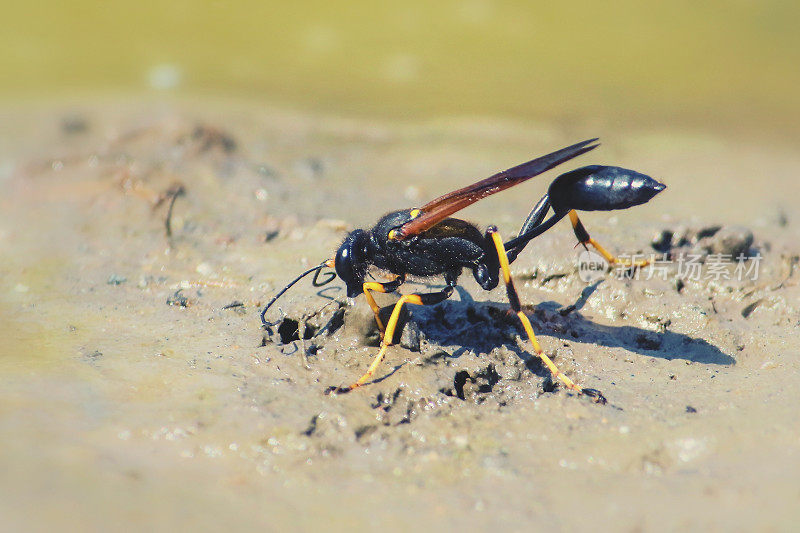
351, 261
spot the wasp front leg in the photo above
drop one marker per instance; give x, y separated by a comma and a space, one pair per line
391, 326
382, 287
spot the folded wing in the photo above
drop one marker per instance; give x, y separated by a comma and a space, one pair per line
437, 210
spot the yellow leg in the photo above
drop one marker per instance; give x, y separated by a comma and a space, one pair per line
370, 286
376, 310
513, 299
584, 238
387, 341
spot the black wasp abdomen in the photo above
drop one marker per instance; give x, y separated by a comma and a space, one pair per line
601, 188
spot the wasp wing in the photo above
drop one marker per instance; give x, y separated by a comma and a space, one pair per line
437, 210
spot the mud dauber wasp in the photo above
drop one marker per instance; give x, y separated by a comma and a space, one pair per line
425, 242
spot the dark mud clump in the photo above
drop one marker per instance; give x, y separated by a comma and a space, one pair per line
730, 241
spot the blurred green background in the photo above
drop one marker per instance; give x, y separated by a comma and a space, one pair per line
713, 64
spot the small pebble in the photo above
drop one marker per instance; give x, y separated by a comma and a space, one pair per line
205, 269
115, 279
411, 338
21, 287
178, 299
732, 241
662, 241
74, 124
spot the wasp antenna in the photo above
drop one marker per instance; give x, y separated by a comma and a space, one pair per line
331, 275
316, 269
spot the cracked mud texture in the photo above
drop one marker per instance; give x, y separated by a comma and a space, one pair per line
139, 391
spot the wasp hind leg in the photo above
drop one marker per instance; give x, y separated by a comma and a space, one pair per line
391, 326
516, 306
585, 239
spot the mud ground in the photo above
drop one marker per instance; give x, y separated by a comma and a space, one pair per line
137, 389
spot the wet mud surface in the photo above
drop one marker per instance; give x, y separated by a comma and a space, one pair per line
139, 390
